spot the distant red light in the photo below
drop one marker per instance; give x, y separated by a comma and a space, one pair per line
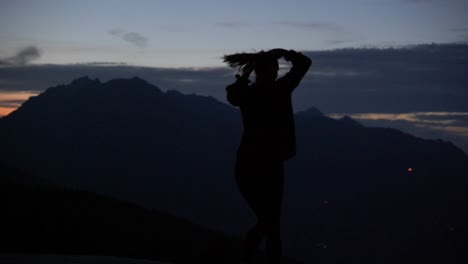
410, 169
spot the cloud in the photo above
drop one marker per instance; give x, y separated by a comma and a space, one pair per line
232, 25
428, 118
131, 37
458, 130
462, 33
416, 1
339, 42
460, 29
103, 63
311, 25
11, 103
422, 84
451, 126
116, 32
338, 73
422, 78
23, 57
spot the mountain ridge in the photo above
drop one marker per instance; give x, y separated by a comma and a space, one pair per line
176, 153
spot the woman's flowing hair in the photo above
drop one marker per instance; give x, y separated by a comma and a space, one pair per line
245, 61
249, 61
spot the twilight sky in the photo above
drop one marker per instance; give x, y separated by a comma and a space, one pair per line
384, 77
197, 33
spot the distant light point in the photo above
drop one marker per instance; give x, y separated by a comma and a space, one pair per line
321, 245
410, 169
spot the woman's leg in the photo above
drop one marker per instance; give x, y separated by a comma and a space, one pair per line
272, 216
261, 184
248, 184
252, 241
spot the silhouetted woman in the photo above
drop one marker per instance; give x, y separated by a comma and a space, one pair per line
268, 138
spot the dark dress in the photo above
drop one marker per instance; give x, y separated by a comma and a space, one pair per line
268, 138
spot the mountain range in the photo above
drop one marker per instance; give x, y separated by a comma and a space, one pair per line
353, 193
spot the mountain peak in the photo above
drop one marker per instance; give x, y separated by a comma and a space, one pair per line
312, 112
84, 81
131, 83
133, 80
348, 120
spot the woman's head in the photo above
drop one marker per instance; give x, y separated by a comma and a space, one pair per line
264, 64
266, 67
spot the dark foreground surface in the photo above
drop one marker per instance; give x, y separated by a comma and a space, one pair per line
75, 259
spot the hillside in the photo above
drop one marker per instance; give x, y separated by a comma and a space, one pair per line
42, 219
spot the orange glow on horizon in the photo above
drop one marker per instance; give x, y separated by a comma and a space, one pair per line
4, 111
10, 101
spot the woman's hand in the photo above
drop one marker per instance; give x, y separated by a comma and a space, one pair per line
278, 53
290, 55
